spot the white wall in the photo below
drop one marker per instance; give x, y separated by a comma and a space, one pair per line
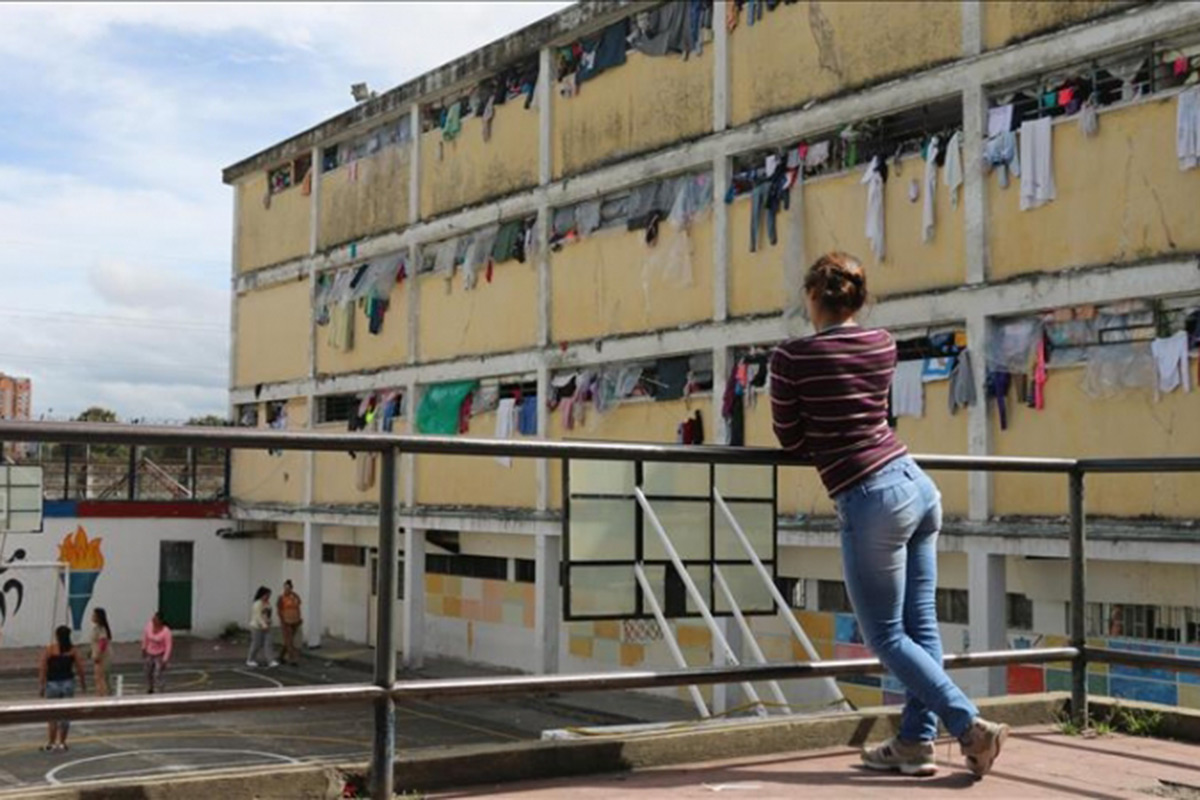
224, 571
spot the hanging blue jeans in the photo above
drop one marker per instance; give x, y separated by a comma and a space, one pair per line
754, 10
758, 205
890, 523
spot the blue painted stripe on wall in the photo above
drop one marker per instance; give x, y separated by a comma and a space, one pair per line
60, 508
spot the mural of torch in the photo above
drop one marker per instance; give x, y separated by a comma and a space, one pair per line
86, 561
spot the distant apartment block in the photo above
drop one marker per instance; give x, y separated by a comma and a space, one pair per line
16, 402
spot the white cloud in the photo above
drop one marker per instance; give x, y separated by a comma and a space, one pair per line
112, 214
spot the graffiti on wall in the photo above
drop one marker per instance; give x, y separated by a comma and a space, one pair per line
12, 586
86, 560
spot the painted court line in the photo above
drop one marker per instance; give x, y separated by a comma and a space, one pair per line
51, 777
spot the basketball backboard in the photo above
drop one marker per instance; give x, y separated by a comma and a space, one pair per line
20, 499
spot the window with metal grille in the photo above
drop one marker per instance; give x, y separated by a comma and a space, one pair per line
489, 567
1019, 613
346, 555
953, 606
526, 570
294, 551
336, 407
832, 596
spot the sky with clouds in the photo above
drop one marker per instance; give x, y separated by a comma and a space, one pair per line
115, 123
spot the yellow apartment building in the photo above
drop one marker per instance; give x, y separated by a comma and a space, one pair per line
596, 228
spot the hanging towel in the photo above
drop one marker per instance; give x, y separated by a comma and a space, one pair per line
929, 188
1037, 167
453, 122
873, 180
1187, 128
1171, 362
505, 415
441, 405
908, 392
527, 416
999, 120
1039, 376
953, 176
962, 383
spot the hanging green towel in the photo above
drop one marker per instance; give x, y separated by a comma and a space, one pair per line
440, 405
507, 239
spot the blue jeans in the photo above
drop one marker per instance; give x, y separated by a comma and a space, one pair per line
890, 522
59, 690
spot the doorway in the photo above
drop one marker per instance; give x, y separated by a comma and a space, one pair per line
175, 584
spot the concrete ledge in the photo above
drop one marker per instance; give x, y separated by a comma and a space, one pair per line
442, 768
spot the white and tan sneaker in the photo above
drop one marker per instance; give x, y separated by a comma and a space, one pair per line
897, 755
981, 745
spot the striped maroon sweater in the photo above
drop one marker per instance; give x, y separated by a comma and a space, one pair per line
829, 401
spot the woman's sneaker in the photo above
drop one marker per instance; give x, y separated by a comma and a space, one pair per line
981, 745
897, 755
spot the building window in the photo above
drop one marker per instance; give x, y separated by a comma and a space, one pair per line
832, 596
294, 551
375, 577
280, 179
792, 590
247, 415
952, 606
336, 407
526, 570
346, 555
488, 567
1019, 615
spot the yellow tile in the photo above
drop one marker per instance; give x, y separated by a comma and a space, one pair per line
817, 624
1189, 695
434, 584
580, 647
632, 655
692, 636
451, 606
608, 629
862, 696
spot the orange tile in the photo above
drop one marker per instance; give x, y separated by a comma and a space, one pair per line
529, 619
434, 584
607, 629
493, 592
451, 606
817, 624
692, 636
580, 646
472, 609
493, 612
632, 655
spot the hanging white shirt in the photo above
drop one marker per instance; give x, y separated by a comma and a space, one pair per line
1037, 166
953, 174
1187, 128
930, 189
908, 390
506, 413
873, 180
1171, 362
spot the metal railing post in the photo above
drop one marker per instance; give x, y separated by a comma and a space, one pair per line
383, 752
131, 478
193, 481
1079, 693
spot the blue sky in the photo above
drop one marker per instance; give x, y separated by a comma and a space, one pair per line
115, 122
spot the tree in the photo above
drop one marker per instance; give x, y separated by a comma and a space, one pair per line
97, 414
209, 421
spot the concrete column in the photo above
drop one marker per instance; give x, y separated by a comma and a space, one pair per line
720, 212
414, 597
408, 461
548, 602
414, 168
543, 466
233, 294
722, 363
972, 28
314, 197
545, 105
545, 279
720, 67
988, 581
979, 431
313, 625
414, 303
974, 188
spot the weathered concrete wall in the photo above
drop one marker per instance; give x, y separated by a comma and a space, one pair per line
365, 198
1005, 21
816, 49
647, 102
613, 282
468, 170
272, 334
259, 477
1132, 424
467, 481
270, 235
834, 213
493, 317
1121, 198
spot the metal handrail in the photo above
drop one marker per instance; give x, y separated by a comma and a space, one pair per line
385, 691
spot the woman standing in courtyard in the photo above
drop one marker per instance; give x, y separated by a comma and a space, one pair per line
288, 606
101, 647
260, 629
57, 669
829, 402
157, 643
